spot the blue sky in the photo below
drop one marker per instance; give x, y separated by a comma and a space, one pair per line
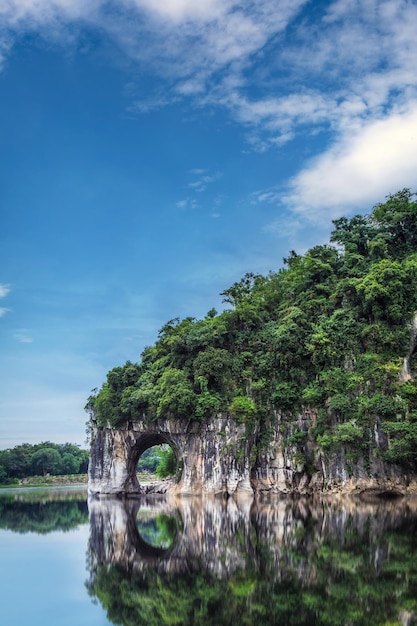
154, 151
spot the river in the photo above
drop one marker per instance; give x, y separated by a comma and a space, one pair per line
66, 561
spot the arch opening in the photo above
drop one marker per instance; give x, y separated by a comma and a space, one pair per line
154, 457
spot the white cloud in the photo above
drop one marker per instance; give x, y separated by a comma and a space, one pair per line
347, 67
182, 41
22, 336
4, 290
355, 64
187, 204
375, 159
358, 58
36, 12
179, 10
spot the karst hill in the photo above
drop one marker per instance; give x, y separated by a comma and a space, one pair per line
305, 383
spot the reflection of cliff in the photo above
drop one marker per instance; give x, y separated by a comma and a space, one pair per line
42, 513
213, 538
291, 561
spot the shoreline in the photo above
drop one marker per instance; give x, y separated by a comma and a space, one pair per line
72, 480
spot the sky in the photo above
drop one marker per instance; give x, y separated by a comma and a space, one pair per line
154, 151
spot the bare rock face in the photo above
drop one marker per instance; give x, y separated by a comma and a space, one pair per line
221, 457
213, 458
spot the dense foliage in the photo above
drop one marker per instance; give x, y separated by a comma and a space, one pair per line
41, 459
329, 330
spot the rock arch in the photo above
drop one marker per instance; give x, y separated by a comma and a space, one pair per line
143, 442
213, 457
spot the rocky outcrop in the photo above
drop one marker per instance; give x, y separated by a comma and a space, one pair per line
213, 458
292, 461
222, 457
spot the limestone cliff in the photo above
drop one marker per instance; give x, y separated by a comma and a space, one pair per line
221, 457
291, 462
213, 458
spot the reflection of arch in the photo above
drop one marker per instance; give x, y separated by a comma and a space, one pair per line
142, 547
147, 551
137, 546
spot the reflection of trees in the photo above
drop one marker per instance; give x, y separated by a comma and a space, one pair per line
286, 563
42, 513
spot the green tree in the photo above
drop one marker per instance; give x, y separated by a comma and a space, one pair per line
46, 461
69, 464
167, 465
174, 395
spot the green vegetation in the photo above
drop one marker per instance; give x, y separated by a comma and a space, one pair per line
328, 331
159, 460
41, 459
167, 465
150, 460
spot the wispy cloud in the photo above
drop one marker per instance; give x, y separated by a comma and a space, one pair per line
23, 336
187, 204
203, 179
205, 49
4, 290
191, 46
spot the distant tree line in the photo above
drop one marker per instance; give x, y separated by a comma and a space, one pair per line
329, 331
40, 459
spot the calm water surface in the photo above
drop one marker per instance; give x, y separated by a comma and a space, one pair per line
184, 562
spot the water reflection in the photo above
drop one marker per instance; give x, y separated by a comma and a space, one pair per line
157, 531
42, 512
285, 562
